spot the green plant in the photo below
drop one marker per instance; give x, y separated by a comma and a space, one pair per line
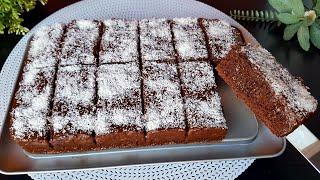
10, 12
298, 19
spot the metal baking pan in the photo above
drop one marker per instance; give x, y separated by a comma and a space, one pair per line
246, 136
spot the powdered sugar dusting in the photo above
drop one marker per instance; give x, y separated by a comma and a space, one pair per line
156, 40
112, 120
119, 41
196, 77
119, 98
222, 37
163, 101
80, 42
189, 39
74, 99
118, 81
205, 113
36, 87
29, 117
44, 45
282, 82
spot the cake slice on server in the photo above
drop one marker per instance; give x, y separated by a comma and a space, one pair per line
281, 101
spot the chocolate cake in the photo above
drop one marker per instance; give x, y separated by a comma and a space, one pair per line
44, 46
277, 98
189, 39
119, 112
73, 114
31, 107
164, 118
119, 43
156, 40
221, 38
91, 85
80, 43
204, 115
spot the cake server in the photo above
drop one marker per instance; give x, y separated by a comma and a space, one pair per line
307, 144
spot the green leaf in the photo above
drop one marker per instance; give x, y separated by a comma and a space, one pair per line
287, 18
303, 37
315, 35
281, 5
297, 7
291, 30
317, 8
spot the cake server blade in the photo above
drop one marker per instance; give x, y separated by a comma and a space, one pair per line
307, 144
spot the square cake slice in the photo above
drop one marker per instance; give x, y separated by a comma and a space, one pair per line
30, 110
189, 40
73, 109
156, 40
281, 101
119, 43
221, 37
204, 114
164, 116
44, 45
197, 79
119, 110
80, 44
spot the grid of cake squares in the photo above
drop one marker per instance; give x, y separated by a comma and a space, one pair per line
121, 83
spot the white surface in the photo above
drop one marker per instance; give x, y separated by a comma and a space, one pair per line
102, 9
220, 170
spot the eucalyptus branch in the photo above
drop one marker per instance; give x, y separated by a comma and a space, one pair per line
298, 19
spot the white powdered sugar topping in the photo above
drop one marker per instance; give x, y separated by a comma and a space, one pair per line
33, 100
28, 122
44, 45
35, 88
221, 37
205, 113
156, 40
189, 39
282, 82
119, 42
35, 76
197, 77
75, 85
74, 99
118, 81
86, 25
125, 118
73, 122
163, 101
80, 42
